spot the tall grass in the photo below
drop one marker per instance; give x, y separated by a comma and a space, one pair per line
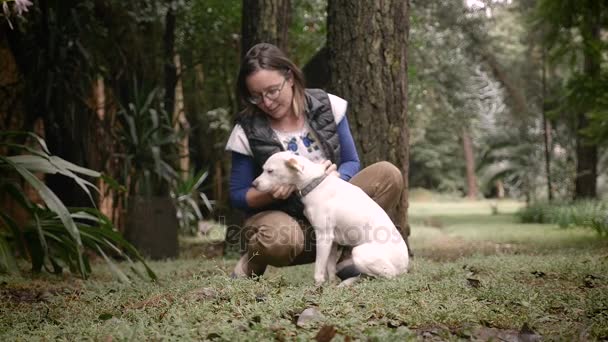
589, 214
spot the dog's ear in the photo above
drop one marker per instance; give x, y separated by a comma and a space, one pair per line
293, 164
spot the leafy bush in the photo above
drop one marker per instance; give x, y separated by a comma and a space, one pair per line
187, 198
148, 142
589, 214
54, 237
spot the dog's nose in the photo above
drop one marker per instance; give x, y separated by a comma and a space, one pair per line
255, 183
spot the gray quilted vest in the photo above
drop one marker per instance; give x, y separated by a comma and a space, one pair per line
264, 143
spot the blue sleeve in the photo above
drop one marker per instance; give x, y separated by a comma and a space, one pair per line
242, 174
349, 159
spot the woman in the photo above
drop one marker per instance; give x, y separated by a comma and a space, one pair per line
280, 114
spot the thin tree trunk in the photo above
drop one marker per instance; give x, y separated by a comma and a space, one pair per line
467, 146
180, 122
367, 43
265, 21
546, 129
500, 189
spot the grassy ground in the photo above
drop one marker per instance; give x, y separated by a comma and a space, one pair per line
475, 276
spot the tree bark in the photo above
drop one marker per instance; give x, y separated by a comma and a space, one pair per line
317, 71
168, 57
265, 21
546, 129
469, 158
367, 44
181, 123
586, 151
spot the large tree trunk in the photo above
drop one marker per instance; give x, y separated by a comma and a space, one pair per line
262, 21
265, 21
367, 44
586, 151
68, 121
469, 158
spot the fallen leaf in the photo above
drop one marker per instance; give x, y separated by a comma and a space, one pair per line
589, 281
526, 334
105, 316
538, 274
202, 294
260, 298
326, 333
308, 315
153, 302
474, 282
213, 336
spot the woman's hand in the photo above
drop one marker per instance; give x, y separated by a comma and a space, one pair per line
330, 168
281, 192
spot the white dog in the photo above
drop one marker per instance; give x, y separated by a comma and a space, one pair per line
341, 214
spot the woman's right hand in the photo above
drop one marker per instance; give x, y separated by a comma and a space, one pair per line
281, 192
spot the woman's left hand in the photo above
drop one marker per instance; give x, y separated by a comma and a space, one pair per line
330, 168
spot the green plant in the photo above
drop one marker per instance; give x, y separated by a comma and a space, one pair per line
589, 214
188, 198
148, 140
54, 237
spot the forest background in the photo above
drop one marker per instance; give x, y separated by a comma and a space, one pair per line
475, 99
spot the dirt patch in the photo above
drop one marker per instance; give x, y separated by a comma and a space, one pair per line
157, 301
447, 248
34, 293
208, 250
478, 333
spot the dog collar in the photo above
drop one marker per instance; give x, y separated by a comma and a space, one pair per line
311, 186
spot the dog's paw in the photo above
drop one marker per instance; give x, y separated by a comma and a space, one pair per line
320, 281
349, 282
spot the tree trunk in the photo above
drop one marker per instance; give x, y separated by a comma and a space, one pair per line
586, 151
180, 122
546, 129
168, 57
367, 43
265, 21
11, 88
467, 146
316, 71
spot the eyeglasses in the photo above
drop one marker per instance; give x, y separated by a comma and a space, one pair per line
271, 94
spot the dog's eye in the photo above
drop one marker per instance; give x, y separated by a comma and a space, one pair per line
269, 171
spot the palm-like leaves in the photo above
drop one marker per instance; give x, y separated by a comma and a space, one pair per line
147, 138
187, 198
56, 236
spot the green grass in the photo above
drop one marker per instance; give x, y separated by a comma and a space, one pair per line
474, 275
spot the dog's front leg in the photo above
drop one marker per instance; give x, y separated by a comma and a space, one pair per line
324, 244
334, 255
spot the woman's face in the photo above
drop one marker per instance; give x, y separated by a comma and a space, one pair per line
272, 91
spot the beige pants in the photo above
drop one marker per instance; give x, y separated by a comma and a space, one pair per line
277, 239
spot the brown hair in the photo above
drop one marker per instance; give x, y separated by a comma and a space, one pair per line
265, 56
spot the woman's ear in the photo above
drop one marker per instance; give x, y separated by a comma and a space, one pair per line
293, 164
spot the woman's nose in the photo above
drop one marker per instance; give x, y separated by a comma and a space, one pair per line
267, 101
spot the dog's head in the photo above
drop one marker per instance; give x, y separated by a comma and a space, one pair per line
283, 168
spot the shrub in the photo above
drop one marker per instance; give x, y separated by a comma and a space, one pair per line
55, 237
587, 213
